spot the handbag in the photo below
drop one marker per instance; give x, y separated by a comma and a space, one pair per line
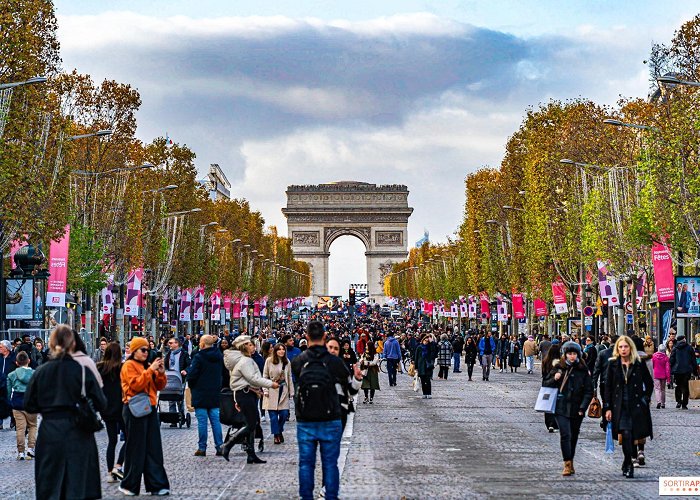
547, 399
595, 409
694, 389
140, 405
416, 383
411, 370
86, 418
228, 415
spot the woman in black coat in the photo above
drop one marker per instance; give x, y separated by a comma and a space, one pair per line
424, 361
570, 375
470, 354
67, 464
110, 369
627, 395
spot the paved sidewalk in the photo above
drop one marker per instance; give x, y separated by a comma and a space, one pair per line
472, 440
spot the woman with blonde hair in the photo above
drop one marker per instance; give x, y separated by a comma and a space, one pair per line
67, 463
627, 396
276, 401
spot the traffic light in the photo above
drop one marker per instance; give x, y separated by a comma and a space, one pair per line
351, 296
605, 302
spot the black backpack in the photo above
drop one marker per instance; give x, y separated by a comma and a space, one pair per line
316, 398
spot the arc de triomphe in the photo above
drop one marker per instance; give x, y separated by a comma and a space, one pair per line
377, 215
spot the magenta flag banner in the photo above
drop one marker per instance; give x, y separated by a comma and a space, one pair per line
485, 305
663, 272
540, 307
256, 309
608, 287
518, 306
227, 305
244, 305
501, 308
472, 307
186, 305
215, 306
559, 294
58, 268
133, 292
236, 308
198, 304
263, 307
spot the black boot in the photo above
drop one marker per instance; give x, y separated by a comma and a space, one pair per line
252, 457
238, 437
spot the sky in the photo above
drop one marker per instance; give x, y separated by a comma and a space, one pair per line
399, 91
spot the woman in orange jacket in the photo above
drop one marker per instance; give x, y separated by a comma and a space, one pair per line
144, 449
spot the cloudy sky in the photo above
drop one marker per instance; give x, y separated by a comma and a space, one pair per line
397, 91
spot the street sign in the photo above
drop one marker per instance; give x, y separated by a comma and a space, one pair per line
629, 319
588, 321
588, 311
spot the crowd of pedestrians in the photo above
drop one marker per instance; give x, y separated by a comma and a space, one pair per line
315, 368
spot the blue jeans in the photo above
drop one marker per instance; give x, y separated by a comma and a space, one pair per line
277, 420
457, 358
328, 435
212, 414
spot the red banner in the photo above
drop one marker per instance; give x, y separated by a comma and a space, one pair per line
663, 272
485, 305
540, 307
559, 293
227, 305
58, 268
256, 309
518, 306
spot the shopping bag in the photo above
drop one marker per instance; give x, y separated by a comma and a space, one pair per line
416, 383
609, 443
547, 399
694, 389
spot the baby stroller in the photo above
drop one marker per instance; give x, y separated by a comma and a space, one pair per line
171, 401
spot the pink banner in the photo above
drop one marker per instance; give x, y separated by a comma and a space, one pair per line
485, 305
518, 306
215, 306
198, 304
186, 305
559, 293
540, 307
501, 308
227, 305
58, 268
236, 308
472, 307
256, 309
663, 272
133, 292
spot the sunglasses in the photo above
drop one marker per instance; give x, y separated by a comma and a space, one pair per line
143, 349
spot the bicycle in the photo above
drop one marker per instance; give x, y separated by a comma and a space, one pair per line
402, 367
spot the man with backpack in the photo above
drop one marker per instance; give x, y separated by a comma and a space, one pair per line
318, 410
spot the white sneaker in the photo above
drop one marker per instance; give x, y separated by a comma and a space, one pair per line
126, 492
161, 493
263, 419
30, 453
20, 456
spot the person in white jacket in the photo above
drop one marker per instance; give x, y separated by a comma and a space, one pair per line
246, 384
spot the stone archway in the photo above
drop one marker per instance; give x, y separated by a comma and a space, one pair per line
377, 215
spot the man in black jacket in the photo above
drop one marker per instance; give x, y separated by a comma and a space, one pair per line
457, 348
318, 410
682, 367
204, 378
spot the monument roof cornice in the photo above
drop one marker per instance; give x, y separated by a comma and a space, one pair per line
347, 187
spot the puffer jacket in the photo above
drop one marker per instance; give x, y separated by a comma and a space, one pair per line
662, 366
18, 380
244, 371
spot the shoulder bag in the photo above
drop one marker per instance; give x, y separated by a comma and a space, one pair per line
86, 418
140, 405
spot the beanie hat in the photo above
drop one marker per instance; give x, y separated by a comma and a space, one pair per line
137, 343
240, 340
571, 347
555, 341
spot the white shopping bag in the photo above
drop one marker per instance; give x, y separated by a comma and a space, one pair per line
547, 399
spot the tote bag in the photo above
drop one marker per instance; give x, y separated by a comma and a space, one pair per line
547, 399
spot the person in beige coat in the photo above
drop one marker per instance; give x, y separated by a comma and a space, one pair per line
276, 401
530, 350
